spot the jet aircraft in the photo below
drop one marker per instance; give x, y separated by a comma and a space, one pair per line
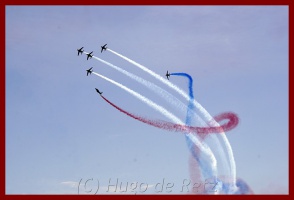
89, 55
80, 51
167, 75
103, 47
98, 91
89, 71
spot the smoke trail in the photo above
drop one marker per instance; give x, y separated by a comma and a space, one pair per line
202, 110
166, 82
233, 121
153, 87
203, 147
189, 118
190, 85
193, 149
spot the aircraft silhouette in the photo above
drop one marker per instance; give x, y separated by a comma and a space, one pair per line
89, 71
167, 75
80, 51
103, 47
89, 55
98, 91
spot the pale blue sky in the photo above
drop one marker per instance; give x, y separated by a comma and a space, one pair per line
58, 130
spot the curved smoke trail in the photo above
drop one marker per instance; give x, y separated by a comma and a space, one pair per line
233, 121
202, 110
202, 146
153, 87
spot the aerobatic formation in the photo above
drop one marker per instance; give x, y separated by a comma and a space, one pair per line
211, 155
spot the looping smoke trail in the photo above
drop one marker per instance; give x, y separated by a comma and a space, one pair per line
203, 147
243, 188
171, 99
202, 110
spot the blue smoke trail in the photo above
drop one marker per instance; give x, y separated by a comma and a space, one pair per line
224, 188
191, 95
204, 166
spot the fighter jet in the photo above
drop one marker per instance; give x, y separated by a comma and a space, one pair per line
98, 91
80, 51
89, 71
89, 55
103, 47
167, 75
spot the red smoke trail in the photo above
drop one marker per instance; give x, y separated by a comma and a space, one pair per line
232, 123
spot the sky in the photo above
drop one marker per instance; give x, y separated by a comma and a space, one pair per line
63, 138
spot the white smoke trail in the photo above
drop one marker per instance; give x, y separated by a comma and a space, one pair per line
158, 90
206, 115
203, 147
